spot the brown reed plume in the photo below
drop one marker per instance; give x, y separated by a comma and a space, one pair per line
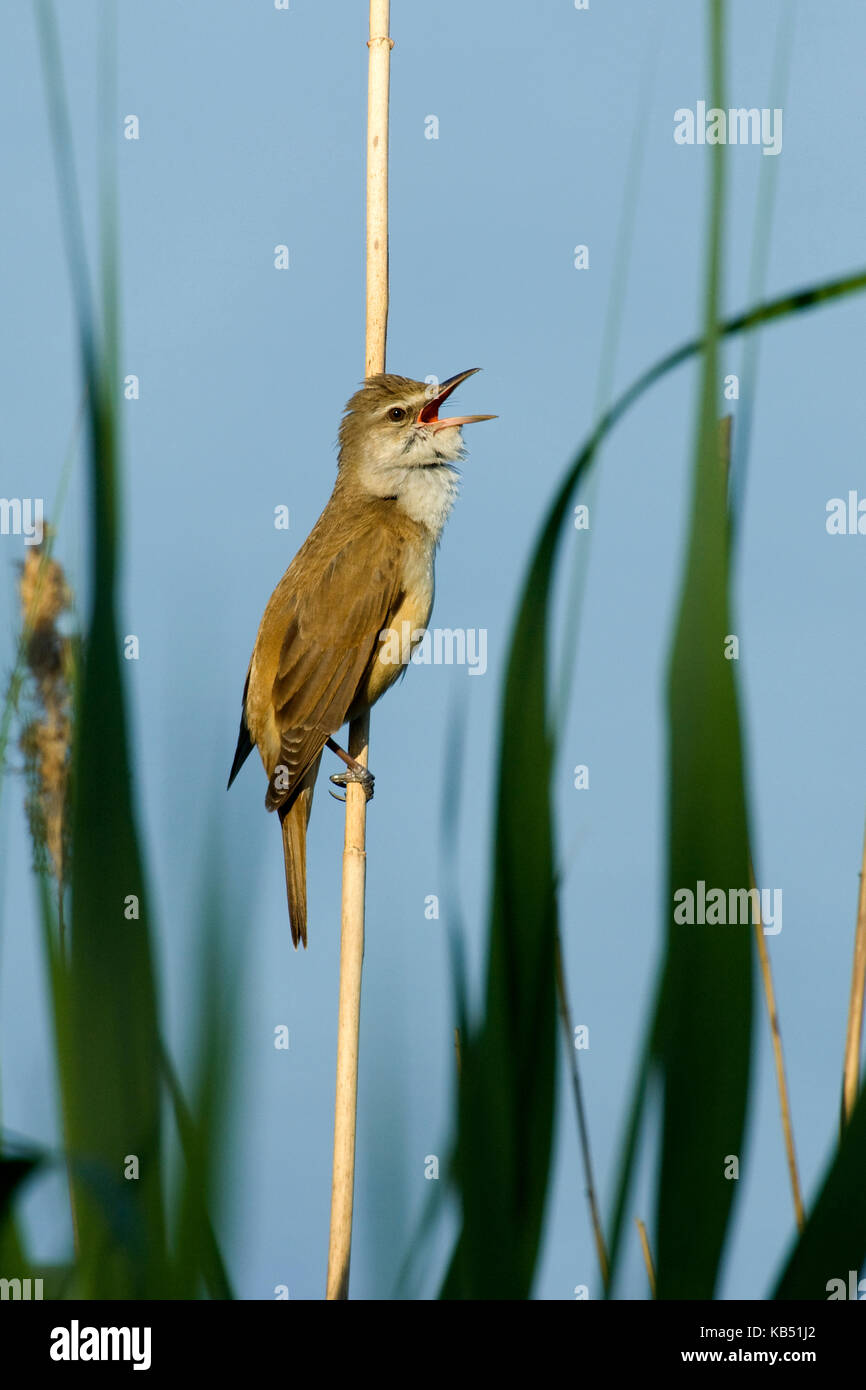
46, 709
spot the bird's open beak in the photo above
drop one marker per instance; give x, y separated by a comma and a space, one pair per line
429, 412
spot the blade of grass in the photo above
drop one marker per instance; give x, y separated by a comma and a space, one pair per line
773, 310
449, 856
506, 1091
198, 1250
834, 1239
582, 1127
197, 1257
109, 1046
528, 644
707, 976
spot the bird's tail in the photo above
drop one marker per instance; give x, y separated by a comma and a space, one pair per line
294, 816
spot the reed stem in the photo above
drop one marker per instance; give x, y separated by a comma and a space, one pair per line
354, 850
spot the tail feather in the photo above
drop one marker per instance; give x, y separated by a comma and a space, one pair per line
294, 816
294, 822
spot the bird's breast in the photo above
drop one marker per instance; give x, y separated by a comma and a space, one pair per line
405, 627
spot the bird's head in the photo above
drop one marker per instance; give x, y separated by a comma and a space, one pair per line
392, 428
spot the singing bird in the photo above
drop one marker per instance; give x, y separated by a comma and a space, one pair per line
325, 651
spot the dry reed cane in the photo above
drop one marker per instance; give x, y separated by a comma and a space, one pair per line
354, 852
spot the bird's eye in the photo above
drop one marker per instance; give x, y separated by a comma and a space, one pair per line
396, 413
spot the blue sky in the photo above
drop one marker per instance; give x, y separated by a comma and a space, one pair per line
251, 136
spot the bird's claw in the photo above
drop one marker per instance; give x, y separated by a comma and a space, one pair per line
342, 779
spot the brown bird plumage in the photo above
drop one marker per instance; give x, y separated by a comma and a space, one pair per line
366, 568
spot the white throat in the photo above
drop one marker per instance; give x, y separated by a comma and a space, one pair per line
427, 495
417, 470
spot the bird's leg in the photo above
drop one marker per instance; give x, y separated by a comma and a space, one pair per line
355, 772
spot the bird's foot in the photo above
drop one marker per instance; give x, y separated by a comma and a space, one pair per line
353, 774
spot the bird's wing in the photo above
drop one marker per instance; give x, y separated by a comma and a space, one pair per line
245, 743
330, 635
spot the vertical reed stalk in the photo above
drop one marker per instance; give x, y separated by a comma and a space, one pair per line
354, 852
647, 1255
778, 1061
851, 1083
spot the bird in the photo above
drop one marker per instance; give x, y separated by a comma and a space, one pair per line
324, 652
